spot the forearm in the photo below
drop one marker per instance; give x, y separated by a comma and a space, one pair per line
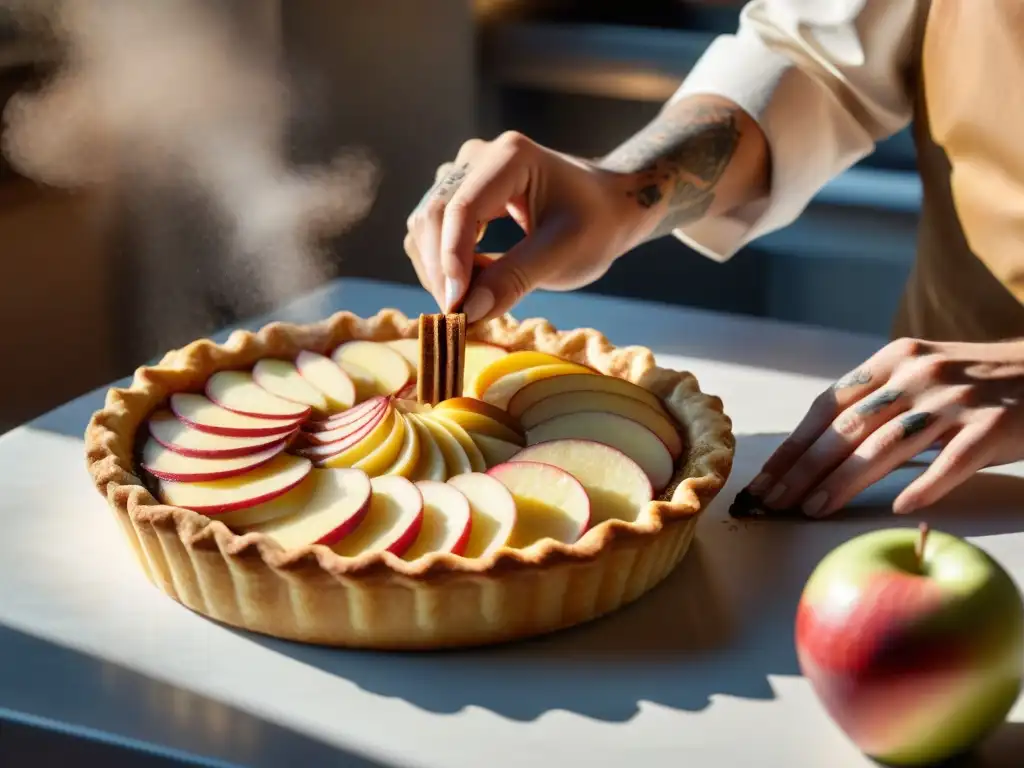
702, 156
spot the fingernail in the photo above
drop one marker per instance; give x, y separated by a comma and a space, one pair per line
815, 504
453, 290
776, 494
759, 484
480, 302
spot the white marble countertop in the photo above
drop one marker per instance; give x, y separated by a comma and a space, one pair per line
700, 673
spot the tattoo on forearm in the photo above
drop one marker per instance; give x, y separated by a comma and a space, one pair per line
878, 402
680, 157
913, 423
857, 378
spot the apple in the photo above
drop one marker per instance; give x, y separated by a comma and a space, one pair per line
200, 413
479, 355
282, 378
338, 501
455, 458
501, 391
393, 522
409, 349
324, 374
550, 503
478, 416
277, 476
408, 392
505, 365
357, 445
408, 457
431, 464
476, 459
493, 450
288, 503
342, 429
579, 382
493, 512
447, 521
166, 429
165, 464
629, 437
237, 391
914, 643
382, 456
618, 487
657, 421
354, 413
375, 364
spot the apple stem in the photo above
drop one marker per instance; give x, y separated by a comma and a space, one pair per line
921, 542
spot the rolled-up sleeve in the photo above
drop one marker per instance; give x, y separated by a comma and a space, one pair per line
825, 80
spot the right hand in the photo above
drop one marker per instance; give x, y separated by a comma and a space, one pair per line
578, 218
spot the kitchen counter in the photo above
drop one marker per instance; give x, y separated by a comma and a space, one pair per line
701, 672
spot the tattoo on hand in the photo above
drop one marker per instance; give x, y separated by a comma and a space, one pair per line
878, 402
680, 156
856, 378
913, 423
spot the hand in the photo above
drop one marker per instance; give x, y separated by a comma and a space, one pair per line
912, 395
577, 217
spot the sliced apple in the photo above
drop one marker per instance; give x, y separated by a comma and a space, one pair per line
493, 450
504, 365
479, 355
288, 503
393, 522
279, 475
657, 421
408, 458
387, 369
629, 437
353, 414
237, 391
550, 503
357, 446
476, 459
339, 501
171, 433
364, 381
282, 378
408, 349
578, 382
478, 416
343, 430
200, 413
447, 521
408, 392
328, 378
165, 464
384, 456
504, 389
618, 487
455, 458
493, 512
431, 465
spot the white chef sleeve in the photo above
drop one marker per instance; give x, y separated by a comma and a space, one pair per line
825, 80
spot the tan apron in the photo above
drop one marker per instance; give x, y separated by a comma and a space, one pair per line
968, 280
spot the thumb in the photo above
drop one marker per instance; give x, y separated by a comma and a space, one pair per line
499, 284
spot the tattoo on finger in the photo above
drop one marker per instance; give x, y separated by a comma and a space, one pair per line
857, 378
912, 423
878, 402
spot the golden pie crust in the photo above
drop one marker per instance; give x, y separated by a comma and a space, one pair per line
378, 600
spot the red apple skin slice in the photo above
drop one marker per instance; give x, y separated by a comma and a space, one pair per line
342, 432
165, 464
321, 451
560, 489
276, 477
237, 391
493, 512
338, 503
345, 417
200, 413
325, 375
447, 521
393, 522
174, 435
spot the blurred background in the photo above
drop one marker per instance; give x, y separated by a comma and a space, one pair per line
410, 80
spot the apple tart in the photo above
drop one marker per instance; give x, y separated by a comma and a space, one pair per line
290, 482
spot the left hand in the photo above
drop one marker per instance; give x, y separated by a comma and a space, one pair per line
910, 396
